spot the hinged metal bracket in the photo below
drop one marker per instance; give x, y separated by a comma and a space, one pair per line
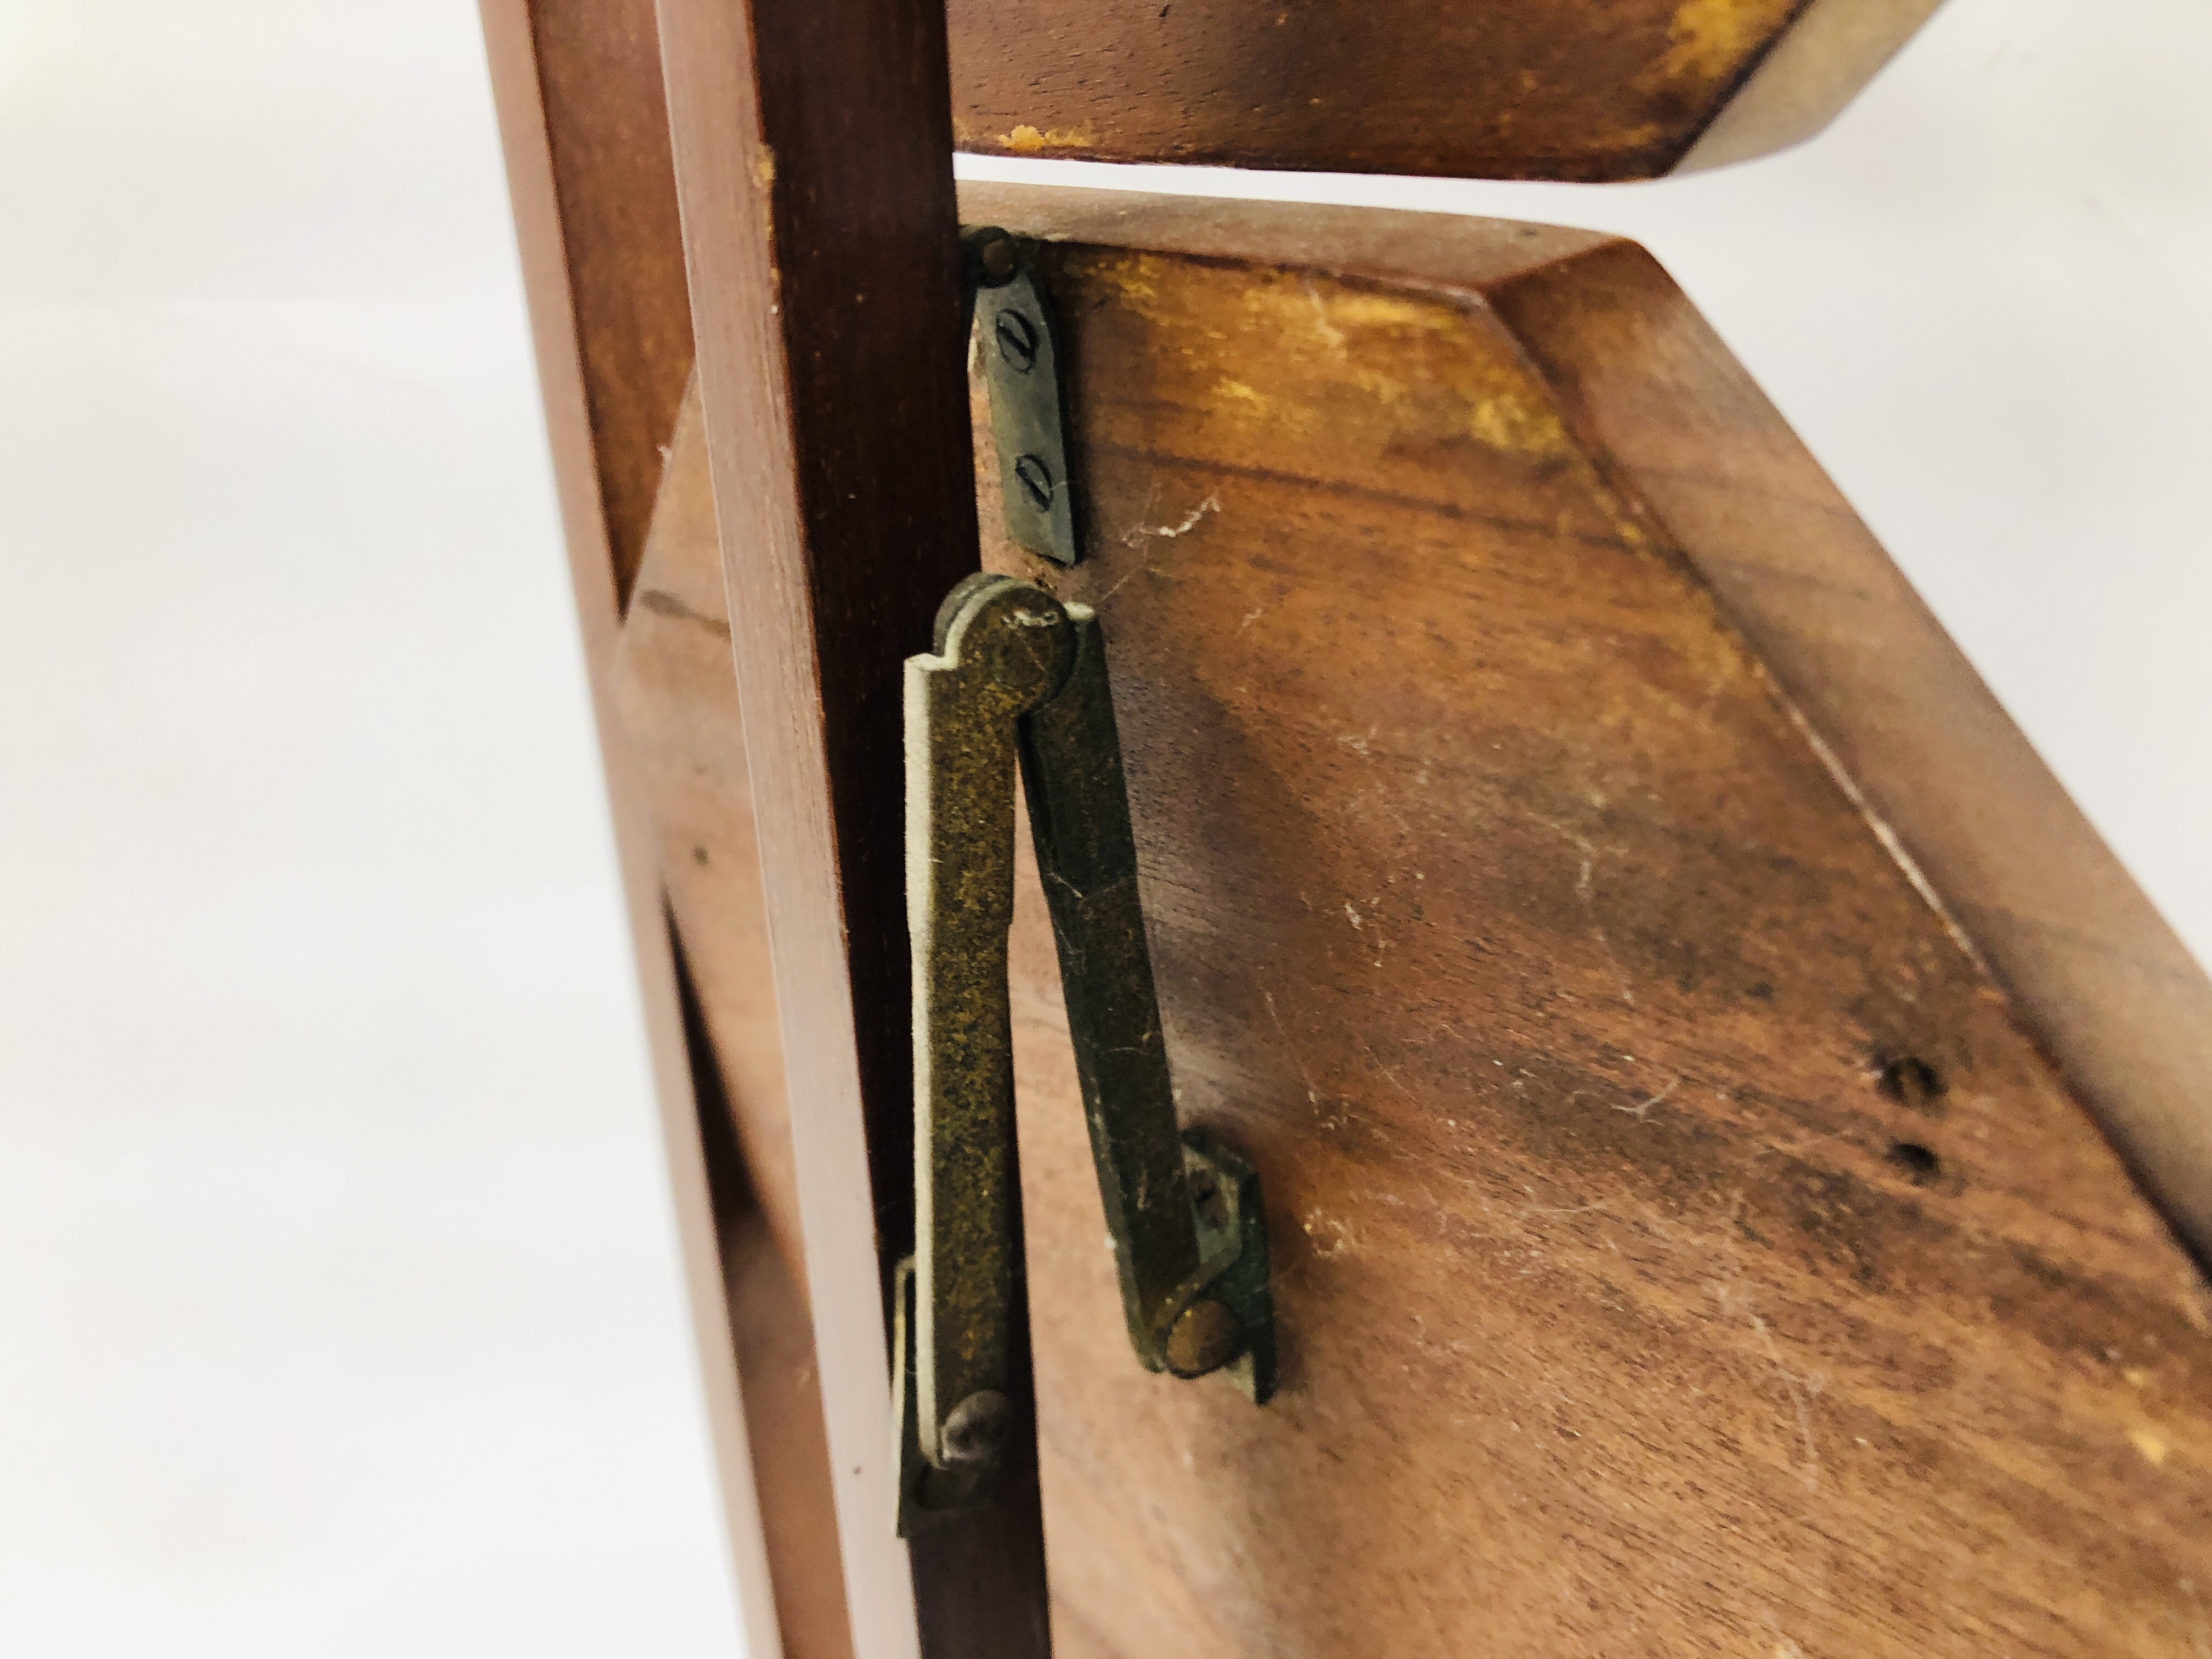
1012, 328
1019, 681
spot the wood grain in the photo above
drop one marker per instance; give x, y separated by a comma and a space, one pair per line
783, 1412
771, 1329
1510, 89
1688, 1238
677, 692
813, 149
2093, 969
606, 127
1651, 392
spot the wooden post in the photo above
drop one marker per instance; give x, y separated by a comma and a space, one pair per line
609, 320
813, 160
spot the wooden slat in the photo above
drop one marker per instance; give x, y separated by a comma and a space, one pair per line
783, 1412
606, 127
772, 1330
813, 149
1689, 1237
579, 323
1501, 90
677, 692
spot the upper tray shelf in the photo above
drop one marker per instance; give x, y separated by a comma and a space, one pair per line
1591, 90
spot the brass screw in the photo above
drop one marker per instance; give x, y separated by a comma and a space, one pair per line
996, 257
1203, 1338
976, 1429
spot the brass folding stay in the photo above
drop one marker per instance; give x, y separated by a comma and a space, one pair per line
1019, 678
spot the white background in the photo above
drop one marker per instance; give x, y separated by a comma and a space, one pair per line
338, 1306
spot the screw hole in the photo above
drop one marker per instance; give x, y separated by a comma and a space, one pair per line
1921, 1165
1911, 1081
1207, 1198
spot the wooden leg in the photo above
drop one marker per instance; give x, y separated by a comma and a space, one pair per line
813, 155
612, 365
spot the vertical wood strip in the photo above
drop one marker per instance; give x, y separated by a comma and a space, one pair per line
813, 159
773, 1333
545, 246
606, 128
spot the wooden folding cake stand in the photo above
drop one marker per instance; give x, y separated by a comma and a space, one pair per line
1730, 1147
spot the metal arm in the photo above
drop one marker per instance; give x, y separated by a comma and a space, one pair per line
1017, 673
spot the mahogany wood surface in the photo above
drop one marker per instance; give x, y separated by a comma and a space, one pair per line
772, 1328
1577, 89
1690, 1237
783, 1412
1778, 1205
1651, 392
606, 126
812, 148
2095, 971
677, 692
574, 240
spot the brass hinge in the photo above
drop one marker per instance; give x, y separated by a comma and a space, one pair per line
1018, 682
1011, 327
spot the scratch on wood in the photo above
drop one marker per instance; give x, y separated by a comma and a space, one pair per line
1597, 928
1313, 1096
1800, 1391
1138, 535
1639, 1111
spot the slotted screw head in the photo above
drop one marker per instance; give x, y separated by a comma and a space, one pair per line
1018, 341
1036, 480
